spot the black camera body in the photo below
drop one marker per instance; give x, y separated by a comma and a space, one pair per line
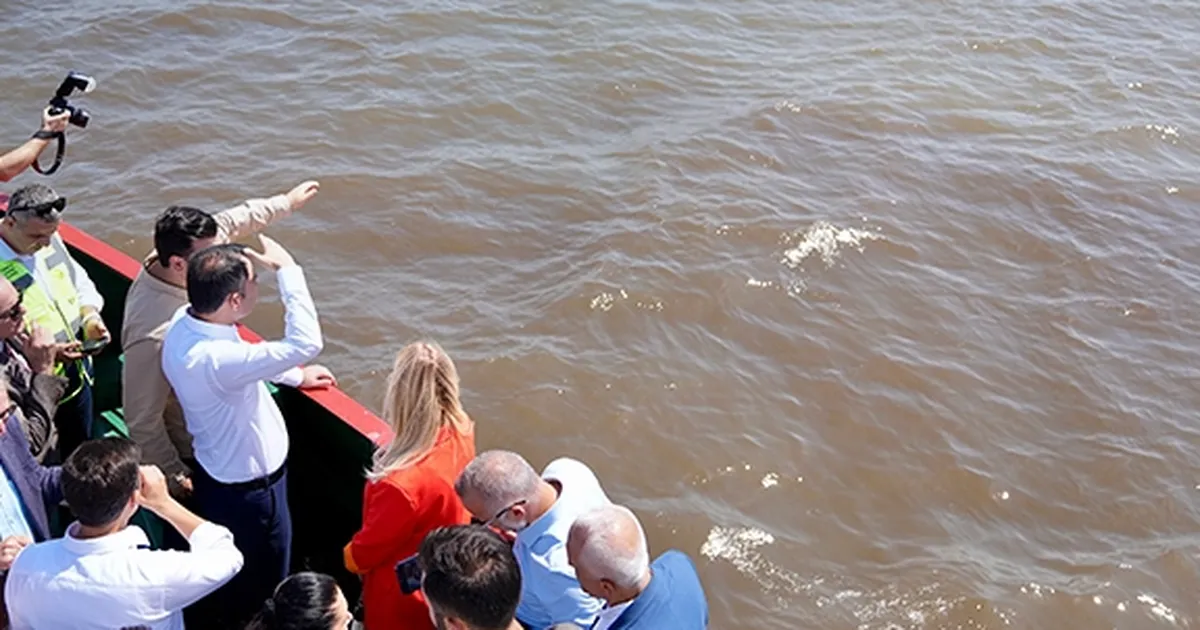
59, 104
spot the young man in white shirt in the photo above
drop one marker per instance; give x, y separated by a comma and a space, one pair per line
500, 488
102, 575
240, 441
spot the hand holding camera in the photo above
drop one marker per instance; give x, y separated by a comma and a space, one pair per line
54, 123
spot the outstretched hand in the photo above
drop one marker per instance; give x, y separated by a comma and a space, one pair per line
300, 195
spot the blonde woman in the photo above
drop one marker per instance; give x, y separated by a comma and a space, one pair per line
410, 487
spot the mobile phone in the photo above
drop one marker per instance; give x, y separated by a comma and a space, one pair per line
93, 346
408, 572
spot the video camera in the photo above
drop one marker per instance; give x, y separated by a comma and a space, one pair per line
59, 104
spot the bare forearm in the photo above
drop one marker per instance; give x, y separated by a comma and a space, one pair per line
19, 159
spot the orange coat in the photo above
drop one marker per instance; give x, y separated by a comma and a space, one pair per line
398, 511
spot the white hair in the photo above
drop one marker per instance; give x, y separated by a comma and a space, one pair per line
613, 545
499, 478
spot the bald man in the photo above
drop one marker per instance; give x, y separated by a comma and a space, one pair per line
608, 550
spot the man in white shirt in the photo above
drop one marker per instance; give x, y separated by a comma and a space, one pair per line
500, 488
102, 575
240, 441
152, 415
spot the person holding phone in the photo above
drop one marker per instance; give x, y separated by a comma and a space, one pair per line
410, 487
28, 358
57, 295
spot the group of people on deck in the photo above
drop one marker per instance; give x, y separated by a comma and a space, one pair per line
488, 542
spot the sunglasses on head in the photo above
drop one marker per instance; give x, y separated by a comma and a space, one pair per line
42, 209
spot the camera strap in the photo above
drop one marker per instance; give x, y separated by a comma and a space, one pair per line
58, 155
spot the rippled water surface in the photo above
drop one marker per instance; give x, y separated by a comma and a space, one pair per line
885, 312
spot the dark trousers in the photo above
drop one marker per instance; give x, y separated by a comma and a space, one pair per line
257, 514
74, 417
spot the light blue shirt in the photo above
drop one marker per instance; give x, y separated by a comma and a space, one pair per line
13, 521
550, 594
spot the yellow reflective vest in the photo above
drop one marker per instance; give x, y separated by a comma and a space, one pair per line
55, 306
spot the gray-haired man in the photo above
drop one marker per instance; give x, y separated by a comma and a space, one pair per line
57, 295
501, 489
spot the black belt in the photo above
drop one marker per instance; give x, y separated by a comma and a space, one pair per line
262, 483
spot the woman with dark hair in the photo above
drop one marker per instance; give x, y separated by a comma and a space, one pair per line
304, 601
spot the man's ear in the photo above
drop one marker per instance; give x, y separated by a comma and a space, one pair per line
177, 264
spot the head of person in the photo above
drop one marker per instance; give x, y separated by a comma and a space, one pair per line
499, 488
99, 481
12, 310
180, 232
471, 578
222, 283
422, 397
32, 219
607, 548
304, 601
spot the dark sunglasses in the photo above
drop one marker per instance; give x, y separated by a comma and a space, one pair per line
42, 209
492, 521
17, 311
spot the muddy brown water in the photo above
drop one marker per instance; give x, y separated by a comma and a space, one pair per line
885, 312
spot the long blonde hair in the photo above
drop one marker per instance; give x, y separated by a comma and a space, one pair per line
422, 397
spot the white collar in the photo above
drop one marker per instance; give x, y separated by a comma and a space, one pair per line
131, 537
609, 614
208, 329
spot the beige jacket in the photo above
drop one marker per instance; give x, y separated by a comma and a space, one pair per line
152, 414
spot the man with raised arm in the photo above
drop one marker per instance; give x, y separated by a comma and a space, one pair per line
240, 440
151, 412
103, 575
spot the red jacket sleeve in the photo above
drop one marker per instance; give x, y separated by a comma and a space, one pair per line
388, 514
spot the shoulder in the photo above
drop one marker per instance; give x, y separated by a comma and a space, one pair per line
396, 488
676, 574
567, 469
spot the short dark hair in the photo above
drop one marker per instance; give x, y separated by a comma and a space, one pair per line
214, 274
177, 230
472, 575
304, 601
99, 478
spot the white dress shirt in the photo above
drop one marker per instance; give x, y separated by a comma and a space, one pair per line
88, 295
116, 581
238, 431
550, 593
609, 615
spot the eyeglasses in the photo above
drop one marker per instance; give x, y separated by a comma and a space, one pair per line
42, 209
501, 513
17, 311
